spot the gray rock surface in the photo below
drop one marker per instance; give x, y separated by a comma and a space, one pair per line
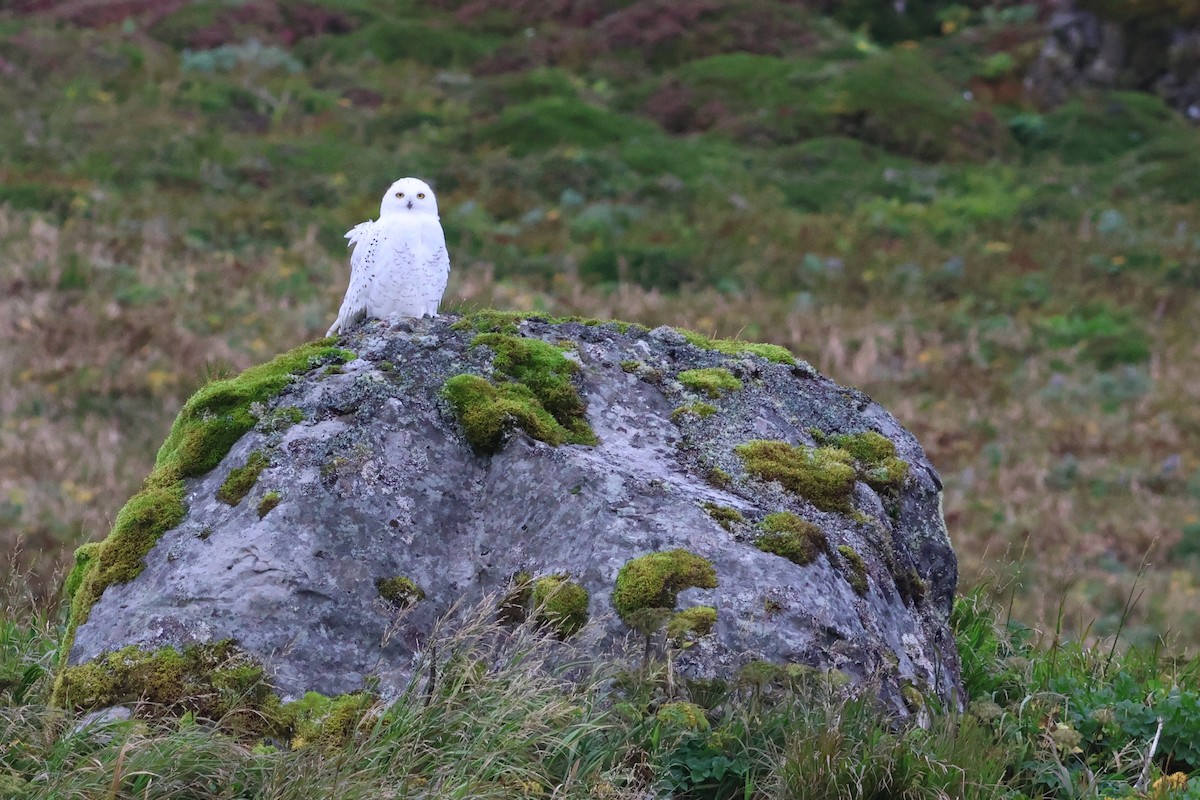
377, 480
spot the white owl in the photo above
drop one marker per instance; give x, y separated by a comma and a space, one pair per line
399, 266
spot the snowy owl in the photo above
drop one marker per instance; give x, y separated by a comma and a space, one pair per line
399, 267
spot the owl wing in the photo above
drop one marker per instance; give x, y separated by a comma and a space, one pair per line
364, 238
436, 269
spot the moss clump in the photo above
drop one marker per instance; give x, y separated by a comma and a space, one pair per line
875, 457
701, 410
492, 321
914, 701
655, 580
787, 535
400, 591
327, 722
725, 516
732, 347
631, 366
208, 680
719, 477
712, 381
690, 624
538, 397
682, 718
547, 372
562, 603
84, 554
486, 412
242, 479
824, 476
268, 503
856, 567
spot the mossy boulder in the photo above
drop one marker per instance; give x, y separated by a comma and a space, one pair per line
534, 465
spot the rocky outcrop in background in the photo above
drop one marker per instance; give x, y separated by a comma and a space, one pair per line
1084, 51
719, 497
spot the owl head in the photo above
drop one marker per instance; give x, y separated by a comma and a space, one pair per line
409, 196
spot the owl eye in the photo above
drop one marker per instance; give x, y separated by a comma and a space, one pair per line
399, 194
420, 195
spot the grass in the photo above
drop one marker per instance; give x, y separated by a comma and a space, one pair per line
518, 711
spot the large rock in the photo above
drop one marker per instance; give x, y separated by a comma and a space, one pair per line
375, 484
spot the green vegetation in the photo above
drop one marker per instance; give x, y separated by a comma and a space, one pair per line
690, 624
682, 717
733, 347
653, 581
268, 503
824, 476
875, 458
562, 603
242, 479
1043, 717
400, 591
697, 409
787, 535
712, 381
212, 681
539, 398
725, 516
856, 568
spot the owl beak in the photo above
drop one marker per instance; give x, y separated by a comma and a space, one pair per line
410, 203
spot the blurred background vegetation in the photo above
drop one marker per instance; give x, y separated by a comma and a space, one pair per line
875, 189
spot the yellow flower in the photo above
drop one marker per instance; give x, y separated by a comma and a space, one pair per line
1167, 784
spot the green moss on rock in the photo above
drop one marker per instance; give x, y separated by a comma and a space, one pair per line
539, 396
856, 568
490, 320
875, 459
712, 381
242, 479
732, 347
268, 503
562, 603
400, 591
208, 680
725, 516
654, 581
914, 701
691, 623
791, 537
486, 411
547, 372
824, 476
701, 410
328, 723
84, 555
